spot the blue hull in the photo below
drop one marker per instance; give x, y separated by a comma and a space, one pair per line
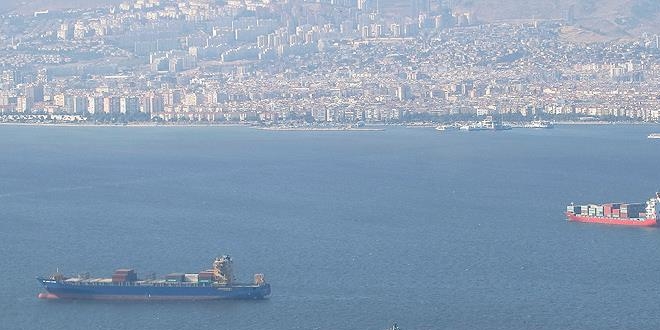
151, 291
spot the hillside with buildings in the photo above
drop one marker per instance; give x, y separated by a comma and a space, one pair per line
343, 62
28, 7
587, 20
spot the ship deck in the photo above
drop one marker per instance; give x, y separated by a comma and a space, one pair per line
151, 283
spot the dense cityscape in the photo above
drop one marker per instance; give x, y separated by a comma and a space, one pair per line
334, 62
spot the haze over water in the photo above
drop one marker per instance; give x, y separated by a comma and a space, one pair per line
354, 230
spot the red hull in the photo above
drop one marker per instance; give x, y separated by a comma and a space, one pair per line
644, 222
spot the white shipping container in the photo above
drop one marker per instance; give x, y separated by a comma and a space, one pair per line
191, 277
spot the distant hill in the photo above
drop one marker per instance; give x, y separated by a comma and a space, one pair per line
591, 19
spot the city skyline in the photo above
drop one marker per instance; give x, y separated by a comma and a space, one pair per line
338, 62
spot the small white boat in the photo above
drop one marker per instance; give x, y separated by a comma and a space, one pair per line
540, 124
446, 128
488, 124
654, 136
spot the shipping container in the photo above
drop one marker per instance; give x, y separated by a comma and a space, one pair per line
636, 208
573, 209
124, 275
120, 279
584, 210
175, 277
191, 277
205, 276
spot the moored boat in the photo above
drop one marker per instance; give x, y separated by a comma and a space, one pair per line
488, 124
446, 128
540, 124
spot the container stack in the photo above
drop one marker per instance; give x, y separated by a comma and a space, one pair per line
600, 210
191, 277
591, 210
635, 210
575, 209
175, 277
610, 210
124, 275
206, 276
624, 211
616, 210
584, 210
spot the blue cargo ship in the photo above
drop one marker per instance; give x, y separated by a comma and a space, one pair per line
213, 284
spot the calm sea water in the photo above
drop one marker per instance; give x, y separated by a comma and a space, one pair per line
355, 230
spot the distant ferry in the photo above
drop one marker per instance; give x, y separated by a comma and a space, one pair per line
627, 214
488, 124
212, 284
654, 136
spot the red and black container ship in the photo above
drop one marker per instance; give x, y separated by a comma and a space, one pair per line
627, 214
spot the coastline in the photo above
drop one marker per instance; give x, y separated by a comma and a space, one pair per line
602, 123
327, 129
124, 125
247, 125
294, 128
